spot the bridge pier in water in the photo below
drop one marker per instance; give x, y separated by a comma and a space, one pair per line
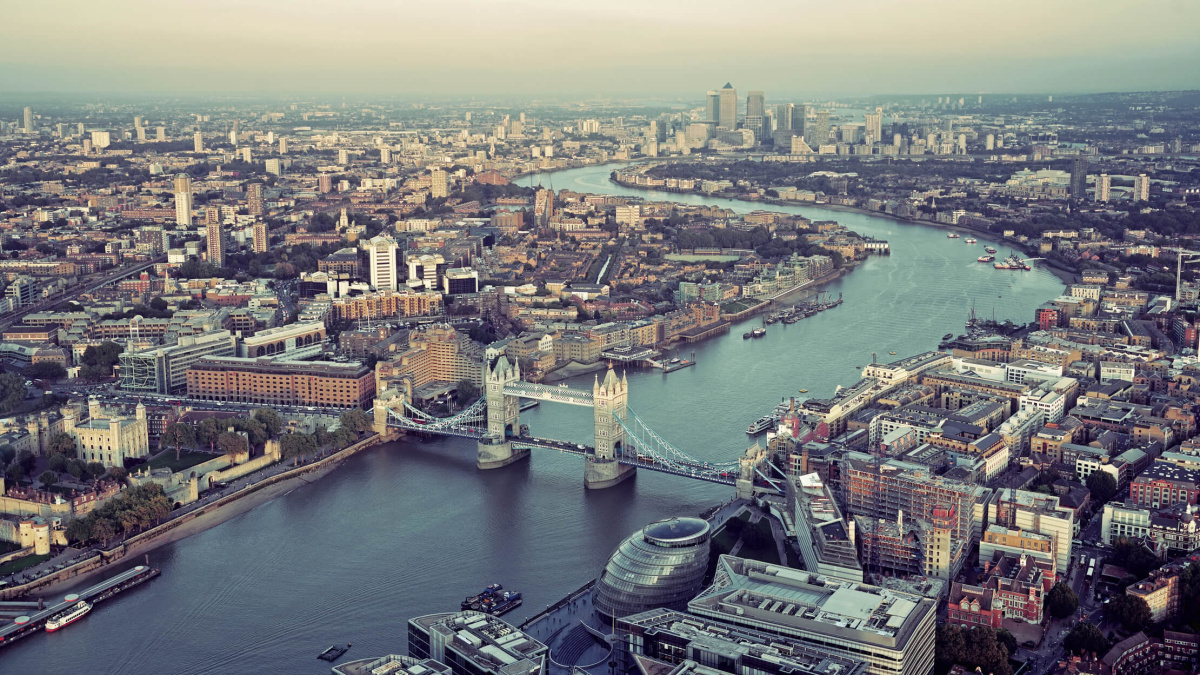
495, 450
610, 399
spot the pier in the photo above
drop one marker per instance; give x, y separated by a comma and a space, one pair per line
33, 622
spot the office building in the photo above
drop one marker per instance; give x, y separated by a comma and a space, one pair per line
874, 126
474, 643
386, 304
712, 106
160, 134
1019, 521
215, 243
295, 341
198, 141
665, 642
436, 353
385, 261
325, 183
727, 112
890, 630
439, 183
163, 370
756, 104
460, 281
391, 664
183, 200
426, 271
283, 146
28, 120
660, 566
1079, 167
269, 381
273, 166
101, 139
254, 199
106, 438
262, 237
783, 116
1103, 186
826, 540
1141, 188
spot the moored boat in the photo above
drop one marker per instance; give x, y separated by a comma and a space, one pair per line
986, 258
68, 616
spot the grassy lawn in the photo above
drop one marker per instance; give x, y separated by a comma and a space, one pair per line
22, 563
691, 257
736, 306
187, 459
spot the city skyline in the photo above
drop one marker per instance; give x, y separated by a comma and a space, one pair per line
580, 49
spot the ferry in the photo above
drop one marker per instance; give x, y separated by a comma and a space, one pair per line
989, 249
952, 235
493, 600
761, 424
529, 403
1012, 262
971, 240
68, 616
985, 258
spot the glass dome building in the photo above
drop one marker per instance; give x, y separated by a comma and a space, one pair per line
661, 565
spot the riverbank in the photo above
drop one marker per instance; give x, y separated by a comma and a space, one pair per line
1064, 274
194, 522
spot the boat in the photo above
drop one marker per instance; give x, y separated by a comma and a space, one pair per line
971, 240
985, 258
1012, 262
761, 424
493, 600
803, 391
758, 332
674, 360
68, 616
333, 652
892, 353
529, 403
952, 235
948, 336
745, 336
989, 249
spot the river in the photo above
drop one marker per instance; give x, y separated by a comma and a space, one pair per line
411, 528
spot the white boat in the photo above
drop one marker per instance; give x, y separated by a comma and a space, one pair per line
970, 240
68, 616
761, 425
952, 235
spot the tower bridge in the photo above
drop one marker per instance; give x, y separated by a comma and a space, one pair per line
622, 441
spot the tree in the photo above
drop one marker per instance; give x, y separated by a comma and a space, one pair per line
1131, 611
207, 432
15, 472
231, 444
295, 446
269, 419
1102, 486
58, 463
467, 390
972, 647
179, 436
79, 530
48, 478
1007, 639
44, 370
76, 468
1085, 638
256, 432
103, 530
60, 444
12, 391
355, 420
96, 469
343, 437
1061, 601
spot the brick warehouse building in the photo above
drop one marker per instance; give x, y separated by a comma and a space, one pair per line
309, 383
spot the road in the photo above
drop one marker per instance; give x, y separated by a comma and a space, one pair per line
84, 286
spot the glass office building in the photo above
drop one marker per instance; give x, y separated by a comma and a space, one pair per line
661, 565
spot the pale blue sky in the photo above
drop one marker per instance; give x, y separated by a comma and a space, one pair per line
572, 47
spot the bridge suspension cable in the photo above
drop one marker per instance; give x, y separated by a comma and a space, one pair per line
651, 448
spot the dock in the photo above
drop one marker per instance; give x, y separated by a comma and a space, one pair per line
672, 367
33, 622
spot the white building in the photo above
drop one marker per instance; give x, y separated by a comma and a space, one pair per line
109, 439
183, 199
385, 261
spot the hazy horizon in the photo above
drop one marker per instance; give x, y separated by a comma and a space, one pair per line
568, 48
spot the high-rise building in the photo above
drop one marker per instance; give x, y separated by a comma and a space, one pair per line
875, 126
727, 112
183, 200
216, 244
1103, 185
160, 134
343, 157
820, 130
386, 259
1079, 167
385, 156
439, 183
712, 106
783, 116
799, 119
283, 146
1141, 188
990, 144
254, 198
756, 104
274, 166
28, 120
101, 139
246, 156
198, 141
262, 237
325, 183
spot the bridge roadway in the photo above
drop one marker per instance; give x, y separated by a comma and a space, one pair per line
545, 392
703, 472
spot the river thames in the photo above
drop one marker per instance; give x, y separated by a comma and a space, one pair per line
408, 528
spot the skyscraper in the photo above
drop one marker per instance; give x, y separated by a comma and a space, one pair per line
1141, 188
819, 134
216, 244
198, 141
799, 119
28, 120
756, 104
254, 199
783, 116
1103, 185
439, 183
875, 126
712, 106
385, 156
727, 113
385, 263
160, 134
1079, 167
262, 239
283, 146
325, 183
183, 200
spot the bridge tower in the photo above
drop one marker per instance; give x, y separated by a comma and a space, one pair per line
610, 399
503, 416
